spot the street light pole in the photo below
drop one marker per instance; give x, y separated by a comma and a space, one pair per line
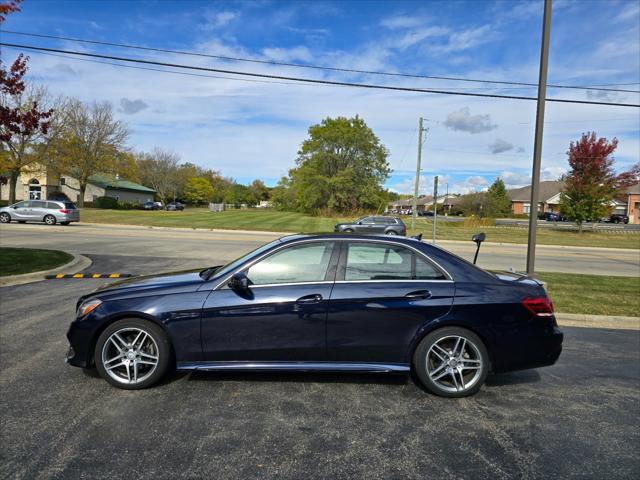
537, 147
414, 211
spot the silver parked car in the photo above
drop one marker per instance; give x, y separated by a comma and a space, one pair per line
47, 211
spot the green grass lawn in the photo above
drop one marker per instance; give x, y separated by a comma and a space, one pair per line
16, 261
272, 220
594, 294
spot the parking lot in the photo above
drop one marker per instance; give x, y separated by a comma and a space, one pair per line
579, 418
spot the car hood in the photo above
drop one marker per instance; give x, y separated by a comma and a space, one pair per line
183, 278
346, 224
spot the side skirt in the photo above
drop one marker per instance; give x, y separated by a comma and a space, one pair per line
297, 366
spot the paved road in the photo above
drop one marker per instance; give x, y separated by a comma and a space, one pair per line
577, 419
215, 246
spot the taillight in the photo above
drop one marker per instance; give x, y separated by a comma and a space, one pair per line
539, 306
65, 211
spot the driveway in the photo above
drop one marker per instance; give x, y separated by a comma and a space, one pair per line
579, 418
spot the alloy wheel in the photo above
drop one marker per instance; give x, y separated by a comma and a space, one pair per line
5, 218
130, 355
50, 220
454, 364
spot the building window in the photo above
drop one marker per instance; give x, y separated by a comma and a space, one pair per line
63, 181
526, 208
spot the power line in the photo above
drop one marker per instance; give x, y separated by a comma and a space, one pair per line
310, 80
316, 67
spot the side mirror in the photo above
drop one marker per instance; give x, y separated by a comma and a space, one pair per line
359, 223
478, 238
239, 281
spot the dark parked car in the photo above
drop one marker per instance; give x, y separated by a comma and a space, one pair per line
322, 303
618, 218
373, 225
151, 206
175, 206
553, 217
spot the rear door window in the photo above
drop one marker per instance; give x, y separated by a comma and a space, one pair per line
37, 204
380, 261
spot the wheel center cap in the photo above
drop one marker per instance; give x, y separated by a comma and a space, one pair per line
131, 354
453, 363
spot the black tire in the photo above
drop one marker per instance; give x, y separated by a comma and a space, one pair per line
65, 223
22, 221
5, 217
49, 219
127, 329
348, 230
474, 377
392, 232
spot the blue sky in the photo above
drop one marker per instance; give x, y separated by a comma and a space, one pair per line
253, 130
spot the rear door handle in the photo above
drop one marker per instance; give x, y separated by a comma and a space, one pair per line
308, 299
419, 294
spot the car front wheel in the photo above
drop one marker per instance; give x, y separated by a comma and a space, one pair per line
5, 217
392, 232
451, 362
132, 354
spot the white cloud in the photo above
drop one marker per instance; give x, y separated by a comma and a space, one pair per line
500, 146
130, 107
288, 54
463, 121
402, 21
216, 20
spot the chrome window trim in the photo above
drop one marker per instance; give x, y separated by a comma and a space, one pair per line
393, 281
335, 240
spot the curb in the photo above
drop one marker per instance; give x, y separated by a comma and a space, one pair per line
597, 321
79, 263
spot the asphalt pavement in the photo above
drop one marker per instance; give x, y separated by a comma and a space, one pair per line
577, 419
215, 246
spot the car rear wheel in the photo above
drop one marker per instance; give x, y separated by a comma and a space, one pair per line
132, 354
65, 223
452, 362
392, 232
49, 219
348, 230
5, 217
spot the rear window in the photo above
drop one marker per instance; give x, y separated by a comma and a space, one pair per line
69, 205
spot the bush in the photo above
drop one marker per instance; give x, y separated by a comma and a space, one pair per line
128, 206
475, 222
106, 202
4, 203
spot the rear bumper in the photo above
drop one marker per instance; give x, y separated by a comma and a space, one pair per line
538, 348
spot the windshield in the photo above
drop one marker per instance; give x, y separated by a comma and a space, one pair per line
229, 267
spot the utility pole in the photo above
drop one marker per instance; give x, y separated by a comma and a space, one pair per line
537, 147
414, 211
435, 206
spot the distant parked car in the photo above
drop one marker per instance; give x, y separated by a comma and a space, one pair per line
426, 213
175, 206
151, 206
617, 218
47, 211
553, 217
374, 225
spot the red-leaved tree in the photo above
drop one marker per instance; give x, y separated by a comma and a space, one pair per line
592, 182
21, 120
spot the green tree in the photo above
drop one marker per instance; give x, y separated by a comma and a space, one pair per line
198, 191
238, 194
592, 183
340, 168
498, 203
90, 141
259, 190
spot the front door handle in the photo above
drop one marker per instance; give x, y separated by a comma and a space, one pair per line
308, 299
419, 294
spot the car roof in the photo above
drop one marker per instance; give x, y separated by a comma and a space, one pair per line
348, 236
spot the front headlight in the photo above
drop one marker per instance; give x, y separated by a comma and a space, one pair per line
88, 306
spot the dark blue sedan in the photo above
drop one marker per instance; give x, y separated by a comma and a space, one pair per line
322, 303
